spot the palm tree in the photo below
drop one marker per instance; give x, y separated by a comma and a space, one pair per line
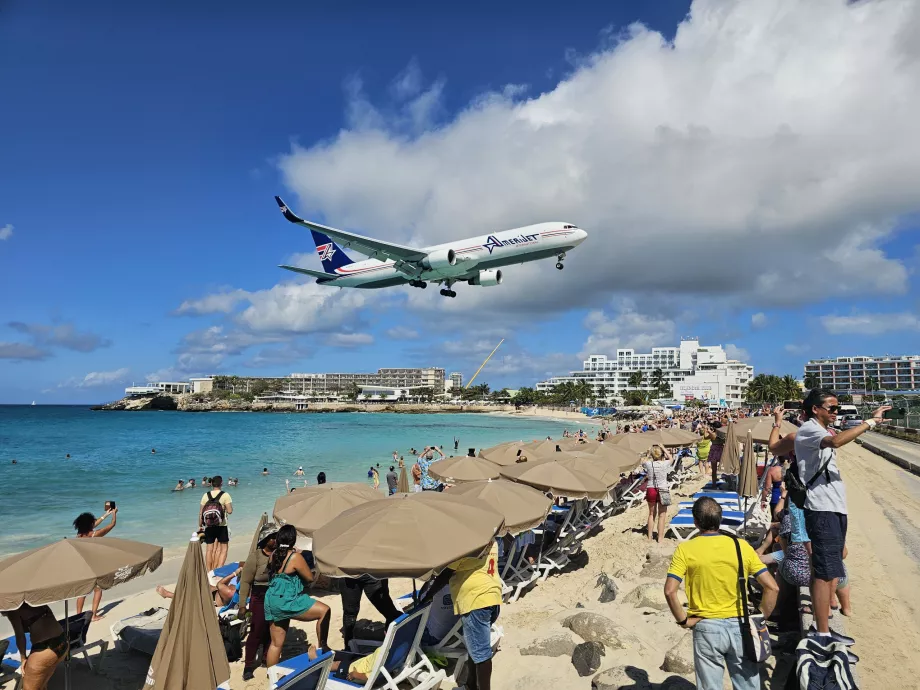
871, 385
791, 390
811, 381
583, 391
602, 392
635, 379
657, 379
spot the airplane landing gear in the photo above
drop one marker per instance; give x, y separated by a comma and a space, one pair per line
418, 283
560, 265
448, 293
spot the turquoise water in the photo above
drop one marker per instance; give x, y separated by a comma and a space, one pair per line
111, 460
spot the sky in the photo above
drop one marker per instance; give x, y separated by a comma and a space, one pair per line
746, 171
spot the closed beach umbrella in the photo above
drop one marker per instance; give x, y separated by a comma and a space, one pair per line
255, 537
71, 568
402, 484
463, 468
406, 535
190, 654
636, 443
310, 508
760, 428
747, 477
556, 478
731, 456
522, 506
504, 454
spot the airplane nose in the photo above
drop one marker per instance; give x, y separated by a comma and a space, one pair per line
580, 235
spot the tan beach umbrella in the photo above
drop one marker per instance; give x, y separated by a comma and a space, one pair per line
190, 653
621, 455
71, 568
614, 462
504, 454
539, 448
637, 443
462, 468
253, 547
522, 506
747, 477
675, 438
310, 508
556, 478
402, 484
406, 535
731, 455
592, 465
760, 428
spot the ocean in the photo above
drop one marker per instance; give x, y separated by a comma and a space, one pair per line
111, 460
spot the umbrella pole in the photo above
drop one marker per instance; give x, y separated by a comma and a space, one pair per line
414, 593
67, 657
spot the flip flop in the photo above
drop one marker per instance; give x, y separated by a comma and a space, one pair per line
835, 636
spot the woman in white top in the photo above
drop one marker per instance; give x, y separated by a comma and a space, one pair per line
656, 471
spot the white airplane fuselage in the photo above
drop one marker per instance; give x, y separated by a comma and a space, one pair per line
482, 253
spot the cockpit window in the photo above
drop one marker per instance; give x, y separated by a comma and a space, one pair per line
568, 227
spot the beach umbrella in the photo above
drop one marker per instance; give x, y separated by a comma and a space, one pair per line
72, 568
731, 455
557, 479
254, 546
589, 464
504, 454
621, 455
549, 446
747, 475
523, 507
760, 428
636, 443
406, 535
310, 508
190, 653
402, 484
462, 468
675, 438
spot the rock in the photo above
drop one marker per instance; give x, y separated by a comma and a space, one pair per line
676, 683
593, 627
648, 596
555, 645
621, 678
656, 566
679, 658
579, 605
587, 657
609, 588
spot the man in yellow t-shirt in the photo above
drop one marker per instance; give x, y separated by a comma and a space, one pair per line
476, 590
708, 567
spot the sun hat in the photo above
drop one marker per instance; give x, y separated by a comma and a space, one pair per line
269, 529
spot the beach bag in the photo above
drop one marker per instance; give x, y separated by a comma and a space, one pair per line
213, 513
755, 638
795, 489
823, 666
233, 643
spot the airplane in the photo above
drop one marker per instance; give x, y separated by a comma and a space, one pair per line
475, 261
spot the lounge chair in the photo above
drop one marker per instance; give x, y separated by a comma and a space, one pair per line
400, 659
683, 527
77, 627
140, 632
634, 494
516, 572
452, 646
301, 673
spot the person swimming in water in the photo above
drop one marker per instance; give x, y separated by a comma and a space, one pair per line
180, 486
299, 472
264, 471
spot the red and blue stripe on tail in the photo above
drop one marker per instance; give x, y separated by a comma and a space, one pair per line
331, 254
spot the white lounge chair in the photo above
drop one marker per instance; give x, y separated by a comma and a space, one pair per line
452, 646
516, 572
301, 673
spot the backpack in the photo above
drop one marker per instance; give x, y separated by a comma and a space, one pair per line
823, 667
213, 513
233, 643
796, 490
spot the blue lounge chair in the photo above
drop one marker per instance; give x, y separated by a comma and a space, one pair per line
683, 527
301, 673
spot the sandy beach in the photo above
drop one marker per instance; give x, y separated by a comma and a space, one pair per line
636, 628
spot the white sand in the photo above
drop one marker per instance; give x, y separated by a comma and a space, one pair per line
884, 566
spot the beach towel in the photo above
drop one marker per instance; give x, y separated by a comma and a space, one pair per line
823, 666
141, 632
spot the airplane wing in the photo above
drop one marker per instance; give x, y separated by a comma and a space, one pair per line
377, 249
324, 277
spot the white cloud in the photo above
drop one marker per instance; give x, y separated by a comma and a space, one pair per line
97, 379
349, 339
402, 333
769, 145
217, 303
871, 324
734, 352
627, 328
6, 232
300, 308
758, 320
795, 349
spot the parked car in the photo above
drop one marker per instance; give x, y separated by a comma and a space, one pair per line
850, 422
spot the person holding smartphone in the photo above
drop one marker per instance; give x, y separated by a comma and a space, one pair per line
87, 527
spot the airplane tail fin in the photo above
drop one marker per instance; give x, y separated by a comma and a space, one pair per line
330, 254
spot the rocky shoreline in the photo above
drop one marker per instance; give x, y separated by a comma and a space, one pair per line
196, 403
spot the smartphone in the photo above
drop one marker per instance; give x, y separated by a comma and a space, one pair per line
792, 405
110, 505
895, 413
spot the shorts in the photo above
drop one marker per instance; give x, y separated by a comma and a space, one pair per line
477, 632
58, 645
828, 533
218, 534
651, 495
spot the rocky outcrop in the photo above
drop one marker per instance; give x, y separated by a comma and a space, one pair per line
609, 588
679, 658
587, 657
656, 565
593, 627
146, 402
561, 644
648, 596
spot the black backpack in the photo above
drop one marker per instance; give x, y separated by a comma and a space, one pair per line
233, 643
212, 515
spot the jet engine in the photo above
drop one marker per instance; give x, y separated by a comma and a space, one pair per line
441, 258
487, 278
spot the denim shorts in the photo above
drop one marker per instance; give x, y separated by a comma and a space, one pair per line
477, 632
828, 534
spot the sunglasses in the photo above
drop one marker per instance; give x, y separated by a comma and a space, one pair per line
833, 409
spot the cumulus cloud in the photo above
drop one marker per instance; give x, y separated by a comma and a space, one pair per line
402, 333
758, 320
626, 328
217, 303
6, 232
734, 352
871, 324
97, 379
64, 335
19, 352
349, 339
760, 126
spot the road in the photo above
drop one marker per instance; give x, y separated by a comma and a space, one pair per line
905, 453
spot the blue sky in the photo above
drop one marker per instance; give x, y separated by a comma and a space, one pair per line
748, 177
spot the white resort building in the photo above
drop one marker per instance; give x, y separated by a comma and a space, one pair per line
690, 370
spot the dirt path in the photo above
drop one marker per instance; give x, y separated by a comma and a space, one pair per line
884, 566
